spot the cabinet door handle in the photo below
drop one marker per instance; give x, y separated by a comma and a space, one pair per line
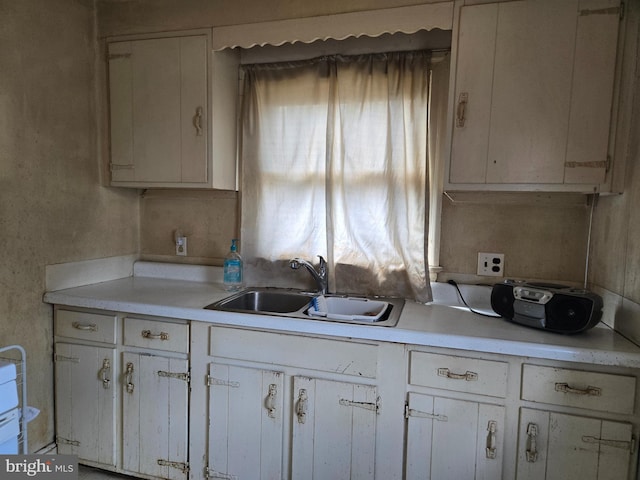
128, 378
468, 376
301, 409
532, 449
197, 121
85, 326
591, 391
270, 403
155, 336
461, 111
491, 439
103, 374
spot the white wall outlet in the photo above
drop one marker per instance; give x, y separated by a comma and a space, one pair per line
491, 264
181, 246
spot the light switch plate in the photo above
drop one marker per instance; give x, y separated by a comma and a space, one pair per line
491, 264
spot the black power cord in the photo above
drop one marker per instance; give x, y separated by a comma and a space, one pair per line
453, 282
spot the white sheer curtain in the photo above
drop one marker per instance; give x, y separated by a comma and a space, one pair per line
334, 163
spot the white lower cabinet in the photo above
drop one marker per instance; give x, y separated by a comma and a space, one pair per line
555, 446
86, 402
122, 392
154, 415
449, 438
334, 430
286, 406
246, 422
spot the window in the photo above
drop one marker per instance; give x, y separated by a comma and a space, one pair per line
335, 163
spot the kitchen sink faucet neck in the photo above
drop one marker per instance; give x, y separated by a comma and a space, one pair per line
321, 275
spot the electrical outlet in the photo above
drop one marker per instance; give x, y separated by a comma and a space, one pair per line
491, 264
181, 246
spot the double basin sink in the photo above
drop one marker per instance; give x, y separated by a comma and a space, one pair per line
299, 304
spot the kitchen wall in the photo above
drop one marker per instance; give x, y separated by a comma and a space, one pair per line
52, 207
541, 239
55, 208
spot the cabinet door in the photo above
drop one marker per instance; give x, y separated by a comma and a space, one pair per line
334, 430
534, 89
449, 438
158, 108
154, 415
565, 447
245, 422
85, 402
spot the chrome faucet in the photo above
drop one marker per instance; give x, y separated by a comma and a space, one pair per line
321, 276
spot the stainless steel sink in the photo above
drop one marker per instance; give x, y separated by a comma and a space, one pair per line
295, 304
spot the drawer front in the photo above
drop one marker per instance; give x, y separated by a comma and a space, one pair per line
97, 327
461, 374
172, 337
335, 356
576, 388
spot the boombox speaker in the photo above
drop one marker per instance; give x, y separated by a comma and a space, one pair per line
556, 308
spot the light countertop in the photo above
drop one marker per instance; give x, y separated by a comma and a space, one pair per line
425, 325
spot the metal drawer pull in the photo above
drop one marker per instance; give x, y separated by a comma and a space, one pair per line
197, 121
270, 403
155, 336
301, 409
128, 377
491, 439
532, 450
609, 443
463, 99
468, 376
85, 326
103, 374
565, 388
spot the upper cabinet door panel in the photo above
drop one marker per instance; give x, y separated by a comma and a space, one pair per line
534, 89
596, 43
193, 114
156, 80
160, 98
531, 91
474, 80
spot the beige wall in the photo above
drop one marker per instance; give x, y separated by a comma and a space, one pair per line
52, 209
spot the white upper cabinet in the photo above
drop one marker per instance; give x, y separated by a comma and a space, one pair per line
163, 110
533, 91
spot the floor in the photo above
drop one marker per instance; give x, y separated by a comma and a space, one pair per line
88, 473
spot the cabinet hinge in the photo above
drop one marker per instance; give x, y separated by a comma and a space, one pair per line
183, 467
622, 444
66, 441
62, 358
211, 381
596, 164
119, 166
180, 376
603, 11
113, 56
213, 474
410, 412
366, 405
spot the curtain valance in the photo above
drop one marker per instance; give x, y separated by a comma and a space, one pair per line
371, 23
